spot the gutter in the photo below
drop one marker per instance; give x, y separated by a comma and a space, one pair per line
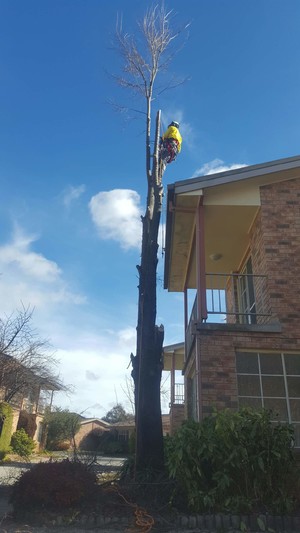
230, 176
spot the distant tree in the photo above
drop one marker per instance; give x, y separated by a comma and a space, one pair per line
117, 414
26, 361
144, 56
61, 425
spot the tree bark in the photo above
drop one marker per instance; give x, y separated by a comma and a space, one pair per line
147, 365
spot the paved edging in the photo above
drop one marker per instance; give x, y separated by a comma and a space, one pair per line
200, 523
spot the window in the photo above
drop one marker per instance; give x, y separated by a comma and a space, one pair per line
123, 435
272, 381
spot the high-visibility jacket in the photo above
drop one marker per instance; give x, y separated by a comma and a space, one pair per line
173, 133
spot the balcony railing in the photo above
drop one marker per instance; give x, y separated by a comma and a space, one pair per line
231, 299
243, 296
179, 393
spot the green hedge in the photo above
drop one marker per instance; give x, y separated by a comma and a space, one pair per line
6, 420
234, 461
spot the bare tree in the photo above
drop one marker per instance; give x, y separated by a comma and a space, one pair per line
26, 362
144, 56
128, 390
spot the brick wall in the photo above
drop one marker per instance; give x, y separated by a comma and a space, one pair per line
86, 429
177, 416
280, 228
218, 363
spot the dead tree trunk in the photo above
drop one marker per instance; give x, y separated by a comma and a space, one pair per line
148, 361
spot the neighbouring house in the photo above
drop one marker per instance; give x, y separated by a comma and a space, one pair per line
89, 432
93, 428
233, 250
26, 392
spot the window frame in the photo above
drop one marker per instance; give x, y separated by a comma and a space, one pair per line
263, 397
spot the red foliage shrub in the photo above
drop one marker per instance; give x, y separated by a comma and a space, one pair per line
53, 486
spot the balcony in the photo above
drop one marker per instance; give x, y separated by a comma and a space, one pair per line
232, 299
177, 396
177, 408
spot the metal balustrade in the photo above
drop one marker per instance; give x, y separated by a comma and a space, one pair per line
231, 299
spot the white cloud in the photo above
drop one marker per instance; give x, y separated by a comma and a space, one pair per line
127, 337
18, 254
117, 216
72, 193
215, 166
91, 375
30, 277
97, 374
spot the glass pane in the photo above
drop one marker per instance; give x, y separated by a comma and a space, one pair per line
292, 364
248, 386
293, 387
273, 386
246, 363
297, 435
295, 410
278, 408
254, 403
271, 363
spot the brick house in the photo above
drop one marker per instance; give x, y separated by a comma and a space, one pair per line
123, 431
90, 428
233, 244
26, 392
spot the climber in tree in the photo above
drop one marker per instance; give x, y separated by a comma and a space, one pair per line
170, 144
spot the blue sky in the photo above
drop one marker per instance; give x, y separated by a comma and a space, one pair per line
72, 169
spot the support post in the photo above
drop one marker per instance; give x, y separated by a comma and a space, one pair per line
200, 259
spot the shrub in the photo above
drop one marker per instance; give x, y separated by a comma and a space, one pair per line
21, 443
61, 426
52, 486
61, 446
6, 419
235, 461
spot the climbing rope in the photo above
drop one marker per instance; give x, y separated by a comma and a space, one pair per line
143, 520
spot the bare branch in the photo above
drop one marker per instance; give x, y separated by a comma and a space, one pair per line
26, 360
143, 58
123, 109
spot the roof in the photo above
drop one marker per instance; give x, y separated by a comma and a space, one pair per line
124, 423
173, 354
95, 420
170, 348
50, 382
230, 176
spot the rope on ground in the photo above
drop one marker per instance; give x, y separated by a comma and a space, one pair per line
143, 520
